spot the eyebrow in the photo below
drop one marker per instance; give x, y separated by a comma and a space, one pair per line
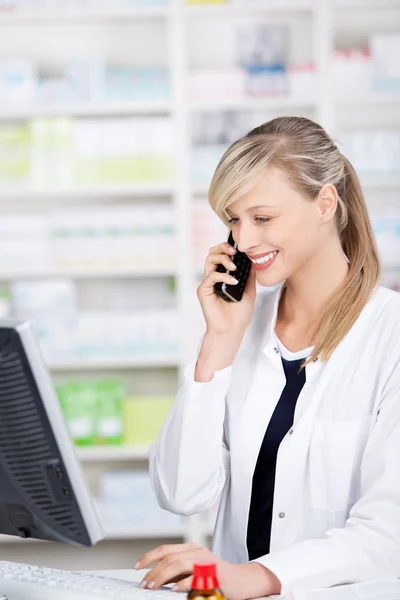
254, 207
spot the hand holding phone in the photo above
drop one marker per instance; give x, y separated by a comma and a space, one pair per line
234, 292
227, 318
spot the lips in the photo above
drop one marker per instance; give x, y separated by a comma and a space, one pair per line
263, 259
264, 263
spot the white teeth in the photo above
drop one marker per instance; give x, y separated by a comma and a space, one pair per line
264, 259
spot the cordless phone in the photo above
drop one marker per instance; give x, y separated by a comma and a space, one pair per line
234, 293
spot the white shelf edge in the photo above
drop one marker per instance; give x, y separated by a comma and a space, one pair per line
82, 16
93, 274
114, 362
371, 99
265, 102
87, 110
94, 454
139, 190
354, 4
233, 10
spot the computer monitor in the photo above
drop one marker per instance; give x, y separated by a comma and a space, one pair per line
43, 493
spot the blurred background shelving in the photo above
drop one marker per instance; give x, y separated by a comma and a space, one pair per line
113, 117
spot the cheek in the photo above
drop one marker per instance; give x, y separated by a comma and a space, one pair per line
299, 238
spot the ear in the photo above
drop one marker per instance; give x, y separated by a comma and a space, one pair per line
327, 202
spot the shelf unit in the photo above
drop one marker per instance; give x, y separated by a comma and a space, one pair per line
177, 19
87, 16
93, 454
114, 362
88, 109
86, 274
277, 102
107, 192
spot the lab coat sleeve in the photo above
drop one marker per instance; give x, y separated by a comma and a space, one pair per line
189, 461
368, 546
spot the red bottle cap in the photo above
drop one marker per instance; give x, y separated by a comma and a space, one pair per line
205, 576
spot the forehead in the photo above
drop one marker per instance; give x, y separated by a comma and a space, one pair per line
273, 190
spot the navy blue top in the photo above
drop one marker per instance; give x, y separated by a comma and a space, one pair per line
262, 493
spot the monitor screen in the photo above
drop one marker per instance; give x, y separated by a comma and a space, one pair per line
43, 493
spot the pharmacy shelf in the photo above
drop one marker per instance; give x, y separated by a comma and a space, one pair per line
114, 362
94, 273
270, 102
95, 454
258, 7
236, 11
372, 99
105, 109
86, 16
153, 190
363, 4
280, 101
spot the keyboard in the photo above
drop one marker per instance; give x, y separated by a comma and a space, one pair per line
26, 582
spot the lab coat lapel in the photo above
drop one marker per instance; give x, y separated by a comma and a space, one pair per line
260, 386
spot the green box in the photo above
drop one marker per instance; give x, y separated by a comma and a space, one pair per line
144, 417
93, 410
78, 402
109, 411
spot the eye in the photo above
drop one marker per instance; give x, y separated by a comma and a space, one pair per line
233, 220
263, 219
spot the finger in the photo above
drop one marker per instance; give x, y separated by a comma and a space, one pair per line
223, 248
207, 286
213, 260
167, 571
161, 552
183, 585
175, 579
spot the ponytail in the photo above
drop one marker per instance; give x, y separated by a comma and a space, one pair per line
359, 246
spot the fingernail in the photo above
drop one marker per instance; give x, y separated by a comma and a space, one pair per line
143, 583
232, 250
232, 265
175, 588
233, 280
137, 565
151, 585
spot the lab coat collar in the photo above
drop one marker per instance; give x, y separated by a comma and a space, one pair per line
270, 349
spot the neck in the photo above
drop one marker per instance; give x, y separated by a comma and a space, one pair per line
309, 290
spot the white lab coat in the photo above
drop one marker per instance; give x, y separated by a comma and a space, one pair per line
336, 510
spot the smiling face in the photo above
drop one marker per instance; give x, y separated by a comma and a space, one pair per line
279, 228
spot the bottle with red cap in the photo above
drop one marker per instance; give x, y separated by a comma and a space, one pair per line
205, 582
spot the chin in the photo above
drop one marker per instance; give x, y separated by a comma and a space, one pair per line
266, 279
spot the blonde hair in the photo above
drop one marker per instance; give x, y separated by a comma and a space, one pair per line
310, 159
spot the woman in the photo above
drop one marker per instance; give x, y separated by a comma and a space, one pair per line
292, 409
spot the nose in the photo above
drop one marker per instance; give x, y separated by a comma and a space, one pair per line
246, 239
